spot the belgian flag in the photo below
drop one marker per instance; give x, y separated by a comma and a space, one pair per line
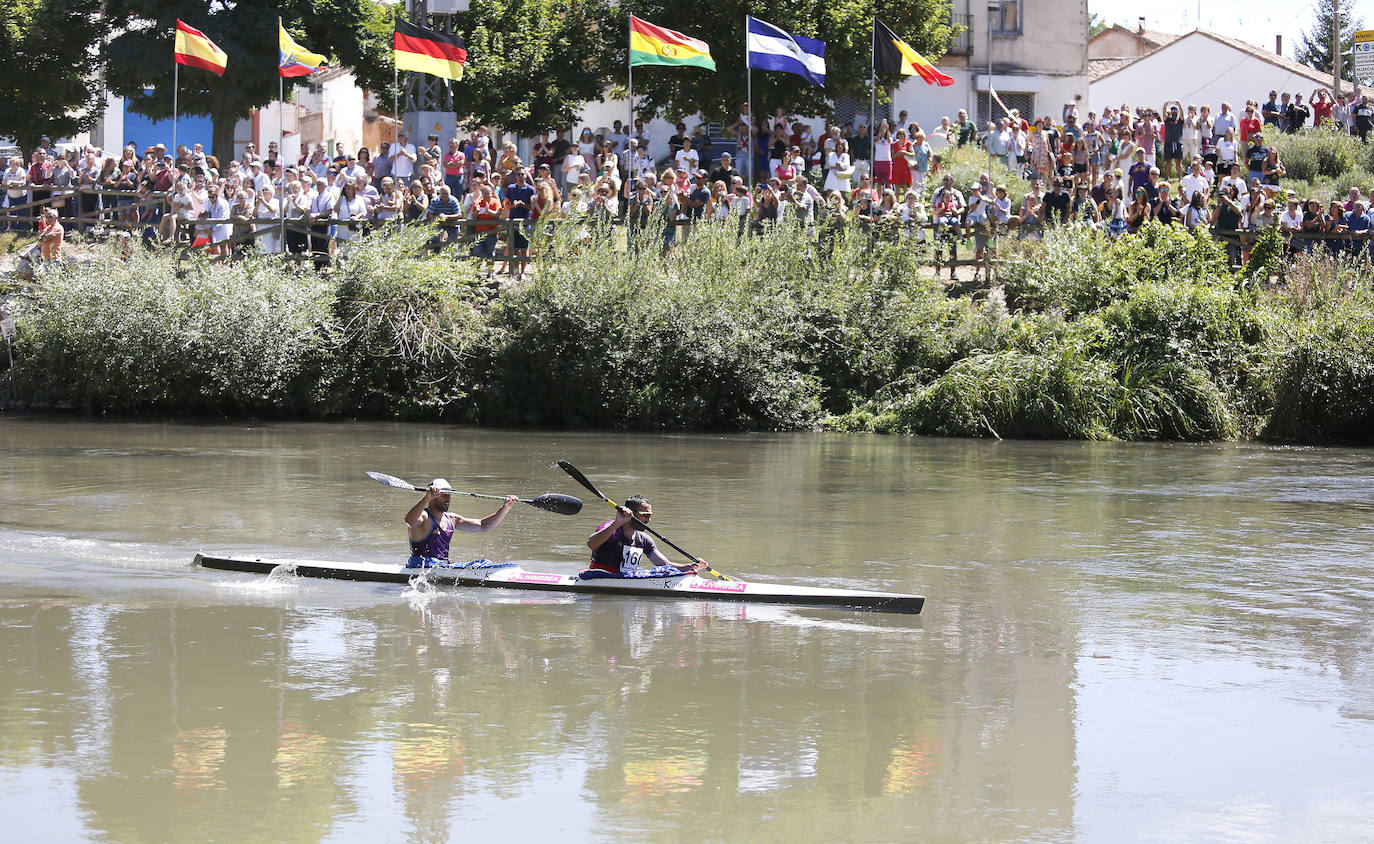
893, 55
426, 51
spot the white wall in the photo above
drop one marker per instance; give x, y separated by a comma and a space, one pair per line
1196, 70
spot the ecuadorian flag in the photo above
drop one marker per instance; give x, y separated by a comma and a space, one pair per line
296, 60
893, 55
651, 44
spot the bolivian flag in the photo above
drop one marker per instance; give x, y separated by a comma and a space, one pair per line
426, 51
194, 49
651, 44
893, 55
295, 60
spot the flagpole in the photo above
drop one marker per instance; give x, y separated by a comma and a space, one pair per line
176, 83
395, 88
873, 95
281, 155
749, 95
630, 94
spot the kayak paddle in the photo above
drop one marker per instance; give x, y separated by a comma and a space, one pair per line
553, 502
582, 479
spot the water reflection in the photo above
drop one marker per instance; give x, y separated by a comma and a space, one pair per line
1109, 629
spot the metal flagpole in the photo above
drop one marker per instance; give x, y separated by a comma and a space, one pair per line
281, 154
630, 94
749, 94
176, 83
395, 91
873, 94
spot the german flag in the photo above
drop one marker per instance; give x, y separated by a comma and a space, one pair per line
426, 51
893, 55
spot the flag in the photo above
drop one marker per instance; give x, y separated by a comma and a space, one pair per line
426, 51
194, 49
993, 92
771, 48
651, 44
893, 55
295, 60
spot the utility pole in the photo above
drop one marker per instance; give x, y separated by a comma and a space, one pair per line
1336, 58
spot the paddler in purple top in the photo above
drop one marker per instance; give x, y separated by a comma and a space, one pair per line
431, 525
617, 547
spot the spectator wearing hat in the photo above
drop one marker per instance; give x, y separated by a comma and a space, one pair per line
726, 172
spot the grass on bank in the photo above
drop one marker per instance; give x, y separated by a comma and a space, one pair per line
1147, 337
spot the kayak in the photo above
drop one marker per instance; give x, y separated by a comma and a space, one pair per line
512, 576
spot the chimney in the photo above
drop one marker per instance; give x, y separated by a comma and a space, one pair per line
1278, 44
1140, 29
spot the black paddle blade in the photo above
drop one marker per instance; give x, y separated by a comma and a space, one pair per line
581, 478
564, 505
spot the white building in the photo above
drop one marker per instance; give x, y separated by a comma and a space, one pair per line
1032, 52
1202, 67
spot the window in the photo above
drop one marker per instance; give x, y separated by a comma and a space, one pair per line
1024, 103
1006, 16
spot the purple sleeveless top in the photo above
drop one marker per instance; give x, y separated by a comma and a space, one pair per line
435, 544
621, 553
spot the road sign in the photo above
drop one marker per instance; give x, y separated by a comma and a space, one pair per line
7, 327
1364, 55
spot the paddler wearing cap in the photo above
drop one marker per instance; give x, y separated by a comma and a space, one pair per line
431, 525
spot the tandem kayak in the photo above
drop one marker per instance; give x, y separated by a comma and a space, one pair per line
687, 586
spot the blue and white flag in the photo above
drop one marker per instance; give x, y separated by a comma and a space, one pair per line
771, 48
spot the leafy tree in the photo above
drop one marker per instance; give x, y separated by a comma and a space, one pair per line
354, 33
1314, 46
48, 46
533, 63
845, 25
1096, 24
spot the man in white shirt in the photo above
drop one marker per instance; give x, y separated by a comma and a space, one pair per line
1195, 181
620, 136
403, 159
1225, 120
258, 178
322, 204
16, 181
217, 208
687, 159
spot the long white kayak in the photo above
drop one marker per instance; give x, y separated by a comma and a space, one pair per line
515, 577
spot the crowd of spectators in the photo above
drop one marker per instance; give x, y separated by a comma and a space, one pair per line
1178, 165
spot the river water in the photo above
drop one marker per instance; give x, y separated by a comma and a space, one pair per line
1121, 642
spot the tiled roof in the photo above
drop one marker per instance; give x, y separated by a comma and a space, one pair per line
1097, 68
1295, 67
1100, 68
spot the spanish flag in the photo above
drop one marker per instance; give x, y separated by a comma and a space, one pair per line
893, 55
426, 51
651, 44
194, 49
295, 60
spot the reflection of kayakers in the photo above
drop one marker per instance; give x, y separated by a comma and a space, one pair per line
616, 551
431, 526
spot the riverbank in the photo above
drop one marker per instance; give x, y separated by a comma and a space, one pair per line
1151, 337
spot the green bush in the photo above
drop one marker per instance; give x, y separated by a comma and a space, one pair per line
405, 326
1061, 392
1150, 336
1314, 155
144, 335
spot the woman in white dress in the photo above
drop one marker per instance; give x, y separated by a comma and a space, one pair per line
574, 165
266, 206
839, 170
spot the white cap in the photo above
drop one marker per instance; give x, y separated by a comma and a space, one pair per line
441, 485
